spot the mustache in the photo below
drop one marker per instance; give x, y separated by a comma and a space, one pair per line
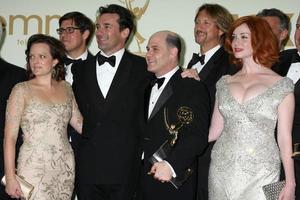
200, 32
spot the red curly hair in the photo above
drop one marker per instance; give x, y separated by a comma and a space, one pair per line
263, 41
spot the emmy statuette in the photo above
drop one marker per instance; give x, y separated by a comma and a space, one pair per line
184, 117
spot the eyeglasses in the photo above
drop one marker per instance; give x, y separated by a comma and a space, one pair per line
67, 30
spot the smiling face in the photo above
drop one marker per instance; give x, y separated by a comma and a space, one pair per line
206, 32
241, 42
40, 60
160, 57
75, 43
110, 38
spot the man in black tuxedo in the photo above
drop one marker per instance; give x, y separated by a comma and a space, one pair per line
212, 22
279, 23
289, 64
168, 99
9, 76
75, 31
109, 92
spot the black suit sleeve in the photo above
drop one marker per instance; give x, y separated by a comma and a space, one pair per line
193, 138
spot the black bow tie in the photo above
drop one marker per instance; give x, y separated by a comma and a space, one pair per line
68, 61
196, 58
159, 82
102, 59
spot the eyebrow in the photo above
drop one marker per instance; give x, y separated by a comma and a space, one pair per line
243, 33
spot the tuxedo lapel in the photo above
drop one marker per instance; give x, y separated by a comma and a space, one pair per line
297, 84
211, 64
286, 59
285, 68
190, 64
89, 56
164, 96
166, 93
295, 58
120, 79
146, 100
91, 78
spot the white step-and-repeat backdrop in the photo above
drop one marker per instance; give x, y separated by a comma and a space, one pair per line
24, 18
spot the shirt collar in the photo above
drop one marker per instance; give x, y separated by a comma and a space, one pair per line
210, 53
168, 76
118, 54
82, 56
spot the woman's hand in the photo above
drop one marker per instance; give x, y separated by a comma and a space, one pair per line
287, 193
13, 188
190, 73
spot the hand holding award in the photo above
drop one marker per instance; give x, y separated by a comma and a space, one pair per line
184, 117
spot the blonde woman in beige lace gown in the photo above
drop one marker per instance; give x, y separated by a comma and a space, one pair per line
42, 107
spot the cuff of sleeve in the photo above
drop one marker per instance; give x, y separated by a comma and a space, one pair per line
173, 172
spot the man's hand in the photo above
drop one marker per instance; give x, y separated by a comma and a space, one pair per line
190, 73
161, 171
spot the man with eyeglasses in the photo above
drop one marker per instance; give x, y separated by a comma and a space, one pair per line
75, 32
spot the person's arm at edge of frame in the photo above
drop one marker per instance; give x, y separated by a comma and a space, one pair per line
14, 110
284, 138
216, 125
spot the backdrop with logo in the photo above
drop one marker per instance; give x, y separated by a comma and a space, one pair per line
24, 18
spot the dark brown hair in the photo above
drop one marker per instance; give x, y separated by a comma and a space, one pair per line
57, 51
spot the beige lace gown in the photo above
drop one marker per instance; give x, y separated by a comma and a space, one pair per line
46, 158
246, 155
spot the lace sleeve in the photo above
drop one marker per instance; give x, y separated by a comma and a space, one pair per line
76, 119
14, 110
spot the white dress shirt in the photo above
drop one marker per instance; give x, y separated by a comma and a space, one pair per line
198, 66
294, 71
69, 75
106, 73
156, 92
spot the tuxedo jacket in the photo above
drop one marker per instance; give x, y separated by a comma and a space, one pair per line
288, 57
9, 76
217, 66
192, 138
110, 125
75, 137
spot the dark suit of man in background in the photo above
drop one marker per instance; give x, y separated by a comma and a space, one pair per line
289, 64
279, 23
175, 93
75, 31
109, 92
212, 22
9, 76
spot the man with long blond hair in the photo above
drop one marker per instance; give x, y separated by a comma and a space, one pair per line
212, 22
